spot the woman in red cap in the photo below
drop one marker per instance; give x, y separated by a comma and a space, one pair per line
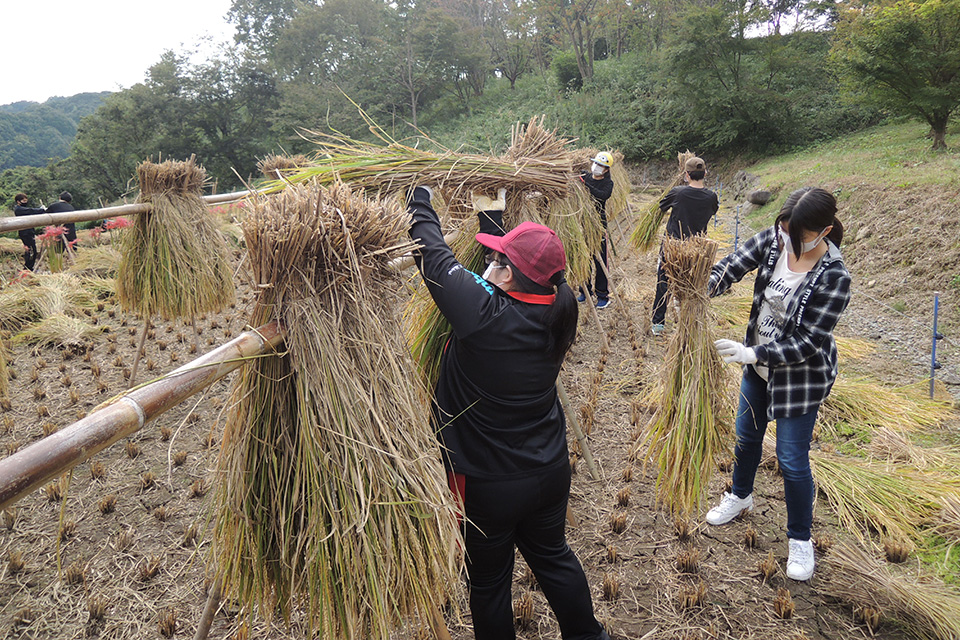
498, 416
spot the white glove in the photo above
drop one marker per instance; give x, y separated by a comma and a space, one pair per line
483, 203
732, 351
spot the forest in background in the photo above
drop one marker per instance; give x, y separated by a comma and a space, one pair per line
730, 78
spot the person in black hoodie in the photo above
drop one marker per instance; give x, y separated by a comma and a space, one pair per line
70, 235
691, 206
27, 236
600, 185
498, 416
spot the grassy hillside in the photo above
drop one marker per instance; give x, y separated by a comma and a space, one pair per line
899, 206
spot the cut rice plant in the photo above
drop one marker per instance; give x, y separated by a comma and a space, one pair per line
101, 261
174, 262
862, 402
854, 348
274, 166
691, 428
332, 497
733, 310
930, 608
645, 235
58, 330
896, 446
894, 500
542, 164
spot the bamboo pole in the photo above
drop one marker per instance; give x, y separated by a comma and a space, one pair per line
209, 610
577, 431
30, 468
16, 223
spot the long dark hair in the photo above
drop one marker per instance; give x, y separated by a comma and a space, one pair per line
561, 317
810, 209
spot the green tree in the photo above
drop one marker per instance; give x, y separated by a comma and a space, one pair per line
905, 57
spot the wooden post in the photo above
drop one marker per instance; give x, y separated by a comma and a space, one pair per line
209, 610
577, 431
136, 359
32, 467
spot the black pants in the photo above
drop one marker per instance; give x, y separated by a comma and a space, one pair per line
660, 297
531, 514
29, 251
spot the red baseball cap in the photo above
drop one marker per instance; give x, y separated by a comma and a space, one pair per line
533, 248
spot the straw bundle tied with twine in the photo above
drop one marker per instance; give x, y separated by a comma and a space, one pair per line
570, 213
174, 261
690, 428
930, 608
332, 494
645, 235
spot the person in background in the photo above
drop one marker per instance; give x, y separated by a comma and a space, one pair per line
27, 236
600, 185
64, 204
789, 356
691, 207
497, 413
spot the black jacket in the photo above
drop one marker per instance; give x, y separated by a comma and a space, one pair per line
601, 189
690, 210
71, 228
495, 406
18, 210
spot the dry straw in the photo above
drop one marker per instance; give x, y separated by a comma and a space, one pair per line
59, 330
572, 214
690, 429
930, 608
174, 260
44, 295
648, 225
332, 496
102, 261
274, 166
866, 403
4, 376
895, 500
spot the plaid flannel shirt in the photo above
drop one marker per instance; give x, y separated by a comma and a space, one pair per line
803, 358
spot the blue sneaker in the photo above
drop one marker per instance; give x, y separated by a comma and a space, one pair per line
581, 297
603, 303
656, 329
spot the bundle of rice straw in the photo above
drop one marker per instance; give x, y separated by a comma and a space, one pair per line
619, 199
864, 402
43, 295
895, 500
102, 261
573, 217
174, 261
59, 330
332, 493
930, 608
541, 164
690, 428
644, 237
274, 166
894, 445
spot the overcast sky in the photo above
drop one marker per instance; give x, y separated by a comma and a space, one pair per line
64, 47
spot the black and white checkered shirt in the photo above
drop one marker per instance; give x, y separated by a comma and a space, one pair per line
803, 358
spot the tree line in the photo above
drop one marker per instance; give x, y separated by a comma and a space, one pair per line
646, 77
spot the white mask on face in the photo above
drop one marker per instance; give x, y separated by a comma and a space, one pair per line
810, 246
596, 169
493, 266
784, 237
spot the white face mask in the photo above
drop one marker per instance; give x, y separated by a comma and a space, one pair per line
596, 169
805, 246
490, 269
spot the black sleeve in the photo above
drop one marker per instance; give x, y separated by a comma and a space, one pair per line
667, 201
599, 189
465, 299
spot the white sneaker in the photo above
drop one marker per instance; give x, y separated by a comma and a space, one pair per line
729, 508
800, 563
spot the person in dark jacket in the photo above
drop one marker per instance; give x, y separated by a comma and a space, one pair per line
498, 416
789, 355
27, 236
70, 235
691, 206
600, 185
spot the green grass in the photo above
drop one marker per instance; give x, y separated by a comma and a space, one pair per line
891, 155
942, 557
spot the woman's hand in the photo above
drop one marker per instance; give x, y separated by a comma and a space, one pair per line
732, 351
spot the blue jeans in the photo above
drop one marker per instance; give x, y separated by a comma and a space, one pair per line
793, 453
